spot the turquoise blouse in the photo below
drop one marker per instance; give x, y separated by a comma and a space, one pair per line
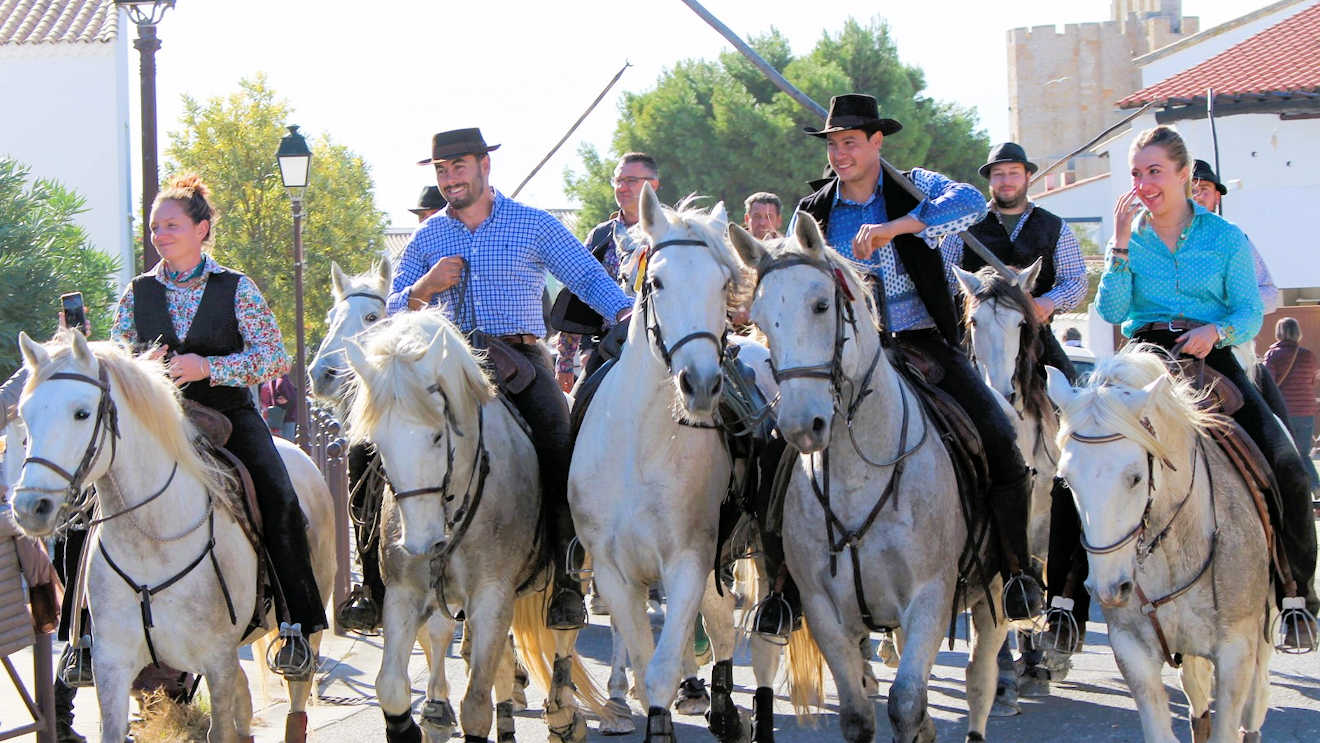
1209, 278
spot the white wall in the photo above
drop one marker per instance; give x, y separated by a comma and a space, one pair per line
66, 117
1164, 66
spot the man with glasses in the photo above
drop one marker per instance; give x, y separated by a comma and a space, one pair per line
609, 242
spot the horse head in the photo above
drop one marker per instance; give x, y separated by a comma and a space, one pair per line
999, 327
359, 304
1126, 441
812, 306
689, 275
417, 396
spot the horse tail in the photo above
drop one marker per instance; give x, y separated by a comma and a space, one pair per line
534, 643
806, 672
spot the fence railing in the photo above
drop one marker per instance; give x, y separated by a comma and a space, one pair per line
329, 450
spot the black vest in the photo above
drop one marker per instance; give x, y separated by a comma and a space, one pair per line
1037, 239
923, 264
214, 332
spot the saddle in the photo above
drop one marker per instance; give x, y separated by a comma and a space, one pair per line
512, 372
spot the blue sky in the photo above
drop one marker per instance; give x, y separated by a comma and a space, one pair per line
381, 77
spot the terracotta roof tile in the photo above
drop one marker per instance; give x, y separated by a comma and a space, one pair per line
57, 21
1284, 58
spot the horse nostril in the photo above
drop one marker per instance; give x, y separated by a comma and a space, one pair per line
43, 507
683, 382
719, 383
818, 425
1125, 589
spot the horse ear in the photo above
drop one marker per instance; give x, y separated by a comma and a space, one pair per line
967, 280
384, 270
652, 214
81, 351
1027, 277
337, 280
751, 249
1059, 388
357, 358
33, 354
807, 232
719, 214
1155, 390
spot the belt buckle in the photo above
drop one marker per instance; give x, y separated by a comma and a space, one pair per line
1171, 328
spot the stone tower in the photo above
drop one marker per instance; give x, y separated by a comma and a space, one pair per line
1062, 86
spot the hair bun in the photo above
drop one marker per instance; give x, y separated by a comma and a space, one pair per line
190, 183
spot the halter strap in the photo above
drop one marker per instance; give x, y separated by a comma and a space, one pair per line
366, 295
653, 329
106, 423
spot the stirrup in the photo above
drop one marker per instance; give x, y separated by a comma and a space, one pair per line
1295, 628
1060, 632
76, 663
352, 613
577, 574
292, 656
783, 628
1018, 582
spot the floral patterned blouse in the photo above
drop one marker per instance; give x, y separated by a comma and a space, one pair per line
263, 356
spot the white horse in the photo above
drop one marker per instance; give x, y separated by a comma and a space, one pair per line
1178, 558
859, 428
650, 469
464, 485
1005, 348
101, 416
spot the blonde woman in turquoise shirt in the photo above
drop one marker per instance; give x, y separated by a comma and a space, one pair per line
1182, 277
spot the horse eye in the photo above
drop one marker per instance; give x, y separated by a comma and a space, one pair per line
656, 283
82, 414
821, 306
972, 322
439, 436
1134, 480
371, 317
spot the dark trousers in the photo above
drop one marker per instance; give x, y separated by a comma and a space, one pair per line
283, 525
1302, 428
366, 499
543, 406
1052, 354
1010, 482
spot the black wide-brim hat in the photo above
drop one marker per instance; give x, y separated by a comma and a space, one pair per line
855, 111
1008, 152
456, 143
430, 200
1203, 172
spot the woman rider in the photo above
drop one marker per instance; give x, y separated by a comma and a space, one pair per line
230, 341
1182, 278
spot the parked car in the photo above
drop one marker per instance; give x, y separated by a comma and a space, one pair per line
1083, 361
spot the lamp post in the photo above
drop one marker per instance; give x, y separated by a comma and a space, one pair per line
295, 161
145, 14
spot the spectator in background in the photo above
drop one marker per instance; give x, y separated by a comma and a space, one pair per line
428, 203
1072, 337
762, 215
277, 404
1294, 370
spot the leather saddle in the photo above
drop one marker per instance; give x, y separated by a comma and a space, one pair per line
512, 372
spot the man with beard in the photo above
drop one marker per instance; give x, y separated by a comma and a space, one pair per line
482, 260
1018, 232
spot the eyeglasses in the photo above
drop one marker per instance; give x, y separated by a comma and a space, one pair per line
633, 180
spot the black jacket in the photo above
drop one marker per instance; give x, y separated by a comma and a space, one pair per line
1037, 239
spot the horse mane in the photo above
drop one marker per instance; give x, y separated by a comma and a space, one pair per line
145, 389
395, 381
1174, 407
713, 233
999, 288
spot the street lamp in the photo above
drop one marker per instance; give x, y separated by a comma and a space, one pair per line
295, 161
145, 14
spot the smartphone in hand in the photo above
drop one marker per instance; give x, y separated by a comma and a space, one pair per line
75, 316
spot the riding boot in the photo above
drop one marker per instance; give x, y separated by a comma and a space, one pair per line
1010, 504
361, 611
567, 609
780, 612
64, 732
1067, 568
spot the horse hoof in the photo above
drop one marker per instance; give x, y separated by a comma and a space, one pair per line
889, 652
1034, 683
1201, 728
619, 721
1251, 737
504, 730
975, 738
870, 686
659, 726
1005, 709
763, 704
693, 699
438, 718
295, 727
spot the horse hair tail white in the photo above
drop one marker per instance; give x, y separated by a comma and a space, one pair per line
534, 644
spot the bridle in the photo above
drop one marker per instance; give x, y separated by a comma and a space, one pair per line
366, 295
1145, 547
106, 426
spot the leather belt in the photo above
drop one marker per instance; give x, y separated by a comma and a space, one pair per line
1173, 326
519, 339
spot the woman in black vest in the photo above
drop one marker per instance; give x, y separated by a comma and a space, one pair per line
230, 341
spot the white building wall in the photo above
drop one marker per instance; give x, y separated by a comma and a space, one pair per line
66, 117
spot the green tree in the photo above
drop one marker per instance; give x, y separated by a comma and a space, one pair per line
43, 254
722, 128
231, 141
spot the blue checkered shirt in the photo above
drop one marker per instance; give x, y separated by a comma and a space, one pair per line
507, 256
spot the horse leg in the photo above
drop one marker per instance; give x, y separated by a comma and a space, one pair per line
503, 684
1034, 681
1258, 702
1140, 665
437, 716
765, 665
856, 712
1195, 677
1235, 671
518, 694
243, 707
295, 723
684, 585
115, 669
622, 724
1006, 690
222, 679
924, 627
692, 697
489, 615
631, 623
562, 717
717, 614
981, 667
400, 619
